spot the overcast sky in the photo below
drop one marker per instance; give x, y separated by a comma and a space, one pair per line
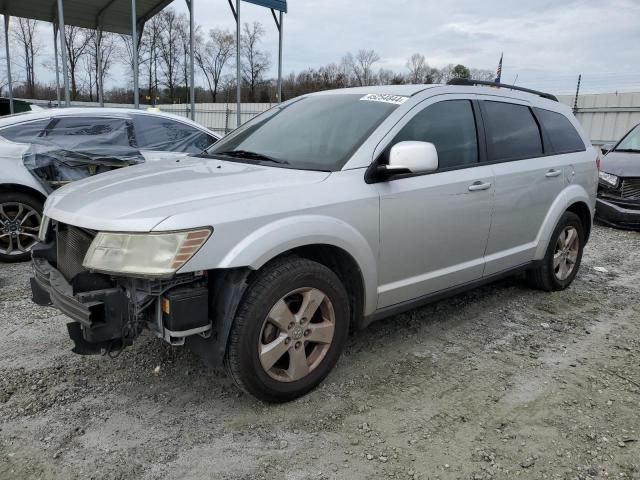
547, 43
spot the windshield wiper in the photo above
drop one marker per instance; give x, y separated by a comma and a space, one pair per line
245, 154
633, 150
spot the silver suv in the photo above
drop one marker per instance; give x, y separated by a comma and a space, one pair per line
316, 218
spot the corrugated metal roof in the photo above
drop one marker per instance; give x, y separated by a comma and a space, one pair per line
116, 14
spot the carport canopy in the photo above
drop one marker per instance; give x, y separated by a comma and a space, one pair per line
110, 15
116, 16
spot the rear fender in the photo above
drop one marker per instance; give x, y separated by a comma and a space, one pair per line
570, 195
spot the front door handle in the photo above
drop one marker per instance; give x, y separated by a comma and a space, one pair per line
477, 186
553, 173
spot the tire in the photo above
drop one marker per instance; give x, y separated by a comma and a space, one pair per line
268, 316
23, 212
550, 277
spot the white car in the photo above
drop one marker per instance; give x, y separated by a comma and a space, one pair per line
41, 151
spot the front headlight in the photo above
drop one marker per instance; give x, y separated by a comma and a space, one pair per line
146, 254
609, 179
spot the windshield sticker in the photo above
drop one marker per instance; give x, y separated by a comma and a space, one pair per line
385, 98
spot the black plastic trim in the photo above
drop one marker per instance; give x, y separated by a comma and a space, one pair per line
399, 308
471, 83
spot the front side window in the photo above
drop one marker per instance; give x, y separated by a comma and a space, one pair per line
25, 132
451, 127
630, 143
561, 133
167, 135
512, 131
319, 132
78, 133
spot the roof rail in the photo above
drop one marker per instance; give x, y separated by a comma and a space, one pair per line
470, 82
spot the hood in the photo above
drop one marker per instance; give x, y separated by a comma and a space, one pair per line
621, 164
140, 197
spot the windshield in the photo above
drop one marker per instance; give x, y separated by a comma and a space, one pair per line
630, 143
312, 133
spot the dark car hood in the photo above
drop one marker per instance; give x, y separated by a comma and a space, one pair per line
621, 164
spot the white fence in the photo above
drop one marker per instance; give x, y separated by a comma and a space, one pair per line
605, 116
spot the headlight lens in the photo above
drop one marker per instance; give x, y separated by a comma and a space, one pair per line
147, 254
609, 179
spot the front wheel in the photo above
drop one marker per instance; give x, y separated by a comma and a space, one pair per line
20, 217
289, 330
564, 254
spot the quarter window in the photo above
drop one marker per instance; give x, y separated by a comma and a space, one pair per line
451, 127
25, 132
512, 131
560, 131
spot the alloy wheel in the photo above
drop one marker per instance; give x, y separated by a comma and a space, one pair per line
565, 256
297, 334
19, 225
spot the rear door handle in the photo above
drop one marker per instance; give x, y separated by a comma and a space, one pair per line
553, 173
477, 186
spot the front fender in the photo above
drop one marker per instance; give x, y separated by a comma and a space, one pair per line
280, 236
571, 194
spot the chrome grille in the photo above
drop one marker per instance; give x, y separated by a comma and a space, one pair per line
630, 188
72, 245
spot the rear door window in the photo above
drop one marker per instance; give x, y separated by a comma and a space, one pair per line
512, 131
168, 135
26, 132
73, 133
450, 125
561, 133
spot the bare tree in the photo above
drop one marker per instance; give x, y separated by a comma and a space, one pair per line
256, 62
361, 65
78, 41
482, 74
213, 57
418, 68
25, 34
169, 53
107, 51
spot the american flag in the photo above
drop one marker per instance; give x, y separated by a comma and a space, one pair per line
499, 72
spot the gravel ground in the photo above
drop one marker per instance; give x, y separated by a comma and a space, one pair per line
502, 382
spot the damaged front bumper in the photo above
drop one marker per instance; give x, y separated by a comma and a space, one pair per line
621, 213
109, 313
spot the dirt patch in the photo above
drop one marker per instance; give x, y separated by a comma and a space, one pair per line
502, 382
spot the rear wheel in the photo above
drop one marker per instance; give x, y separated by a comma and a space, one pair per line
289, 330
564, 254
20, 217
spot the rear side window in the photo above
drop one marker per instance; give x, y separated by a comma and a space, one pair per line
25, 132
561, 133
83, 132
512, 131
168, 135
451, 127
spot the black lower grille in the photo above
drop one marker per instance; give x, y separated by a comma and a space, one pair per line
630, 188
72, 245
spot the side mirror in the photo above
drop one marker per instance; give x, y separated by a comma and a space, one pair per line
412, 157
607, 147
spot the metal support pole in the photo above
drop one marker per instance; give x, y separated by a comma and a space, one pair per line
6, 44
55, 53
280, 28
575, 103
99, 65
192, 34
238, 74
63, 53
134, 43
